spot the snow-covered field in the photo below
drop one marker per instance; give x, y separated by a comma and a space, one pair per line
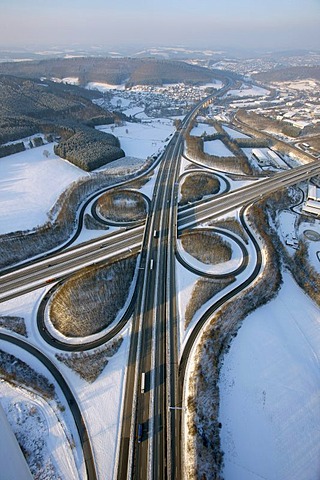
202, 128
270, 396
217, 148
234, 133
30, 184
142, 139
247, 91
104, 87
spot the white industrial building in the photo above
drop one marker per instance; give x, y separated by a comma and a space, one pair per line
267, 158
312, 204
262, 158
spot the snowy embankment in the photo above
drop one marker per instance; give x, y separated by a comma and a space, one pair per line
269, 392
36, 424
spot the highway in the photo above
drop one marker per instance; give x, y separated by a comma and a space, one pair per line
59, 265
150, 436
149, 445
148, 459
227, 202
126, 242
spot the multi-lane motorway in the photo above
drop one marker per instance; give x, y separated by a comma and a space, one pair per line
149, 446
124, 242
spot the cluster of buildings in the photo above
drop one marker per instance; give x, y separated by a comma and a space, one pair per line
157, 101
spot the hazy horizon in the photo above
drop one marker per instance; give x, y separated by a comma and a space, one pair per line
288, 24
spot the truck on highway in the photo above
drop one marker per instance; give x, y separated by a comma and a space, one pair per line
143, 382
140, 431
151, 264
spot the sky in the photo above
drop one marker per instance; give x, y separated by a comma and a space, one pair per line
271, 24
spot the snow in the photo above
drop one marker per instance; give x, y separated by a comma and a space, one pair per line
135, 111
270, 376
314, 255
287, 221
29, 187
26, 140
201, 128
246, 91
123, 166
223, 268
104, 87
186, 281
124, 102
269, 388
69, 80
35, 420
234, 133
217, 84
57, 427
99, 402
310, 232
142, 139
301, 85
9, 448
217, 148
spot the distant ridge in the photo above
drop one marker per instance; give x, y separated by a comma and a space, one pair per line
289, 74
115, 71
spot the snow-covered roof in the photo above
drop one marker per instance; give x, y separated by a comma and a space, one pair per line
12, 461
313, 192
312, 206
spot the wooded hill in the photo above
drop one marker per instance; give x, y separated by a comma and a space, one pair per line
289, 74
28, 107
131, 71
